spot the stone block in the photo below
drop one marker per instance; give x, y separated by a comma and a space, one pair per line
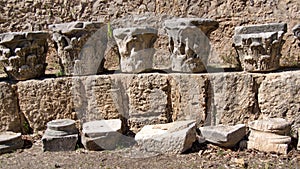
272, 125
44, 100
80, 46
136, 48
171, 138
23, 54
259, 46
102, 134
277, 97
189, 43
224, 135
61, 135
9, 111
188, 95
10, 141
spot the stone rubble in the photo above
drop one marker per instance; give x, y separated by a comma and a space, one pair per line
136, 48
224, 135
23, 54
189, 43
73, 42
259, 46
170, 138
60, 135
270, 135
10, 141
102, 134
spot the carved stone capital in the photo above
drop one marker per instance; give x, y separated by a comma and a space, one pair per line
23, 54
189, 43
259, 46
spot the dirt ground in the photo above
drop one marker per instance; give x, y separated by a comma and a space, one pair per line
206, 156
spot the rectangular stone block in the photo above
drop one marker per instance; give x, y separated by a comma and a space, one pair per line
9, 112
60, 143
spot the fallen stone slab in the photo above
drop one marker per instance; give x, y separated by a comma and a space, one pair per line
268, 142
223, 135
272, 125
10, 141
170, 138
102, 135
61, 135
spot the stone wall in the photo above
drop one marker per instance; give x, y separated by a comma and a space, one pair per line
38, 14
140, 99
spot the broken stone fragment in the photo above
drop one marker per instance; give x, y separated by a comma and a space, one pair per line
170, 138
224, 136
23, 54
189, 43
296, 31
102, 134
73, 41
259, 46
136, 48
10, 141
61, 135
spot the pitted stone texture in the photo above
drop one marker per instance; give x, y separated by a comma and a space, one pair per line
23, 54
136, 48
9, 112
224, 136
75, 42
171, 138
44, 100
231, 99
61, 135
189, 43
278, 97
96, 97
149, 100
296, 31
189, 95
272, 125
102, 134
269, 142
259, 46
10, 141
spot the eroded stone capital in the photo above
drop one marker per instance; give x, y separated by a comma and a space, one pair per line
23, 54
259, 46
136, 48
189, 42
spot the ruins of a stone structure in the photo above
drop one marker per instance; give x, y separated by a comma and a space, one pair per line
189, 43
10, 141
270, 135
296, 31
259, 46
60, 135
23, 54
70, 40
136, 48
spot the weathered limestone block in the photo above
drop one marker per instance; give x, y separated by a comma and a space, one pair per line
76, 42
102, 134
231, 99
189, 43
188, 95
44, 100
278, 97
171, 138
10, 141
270, 135
259, 46
9, 112
224, 136
149, 100
61, 135
296, 31
136, 48
23, 54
